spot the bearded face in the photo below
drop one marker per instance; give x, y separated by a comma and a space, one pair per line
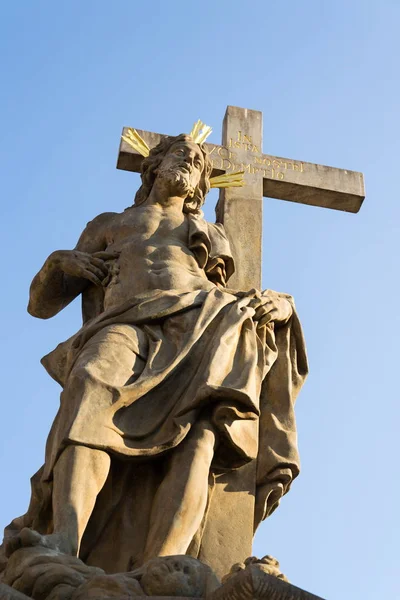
181, 168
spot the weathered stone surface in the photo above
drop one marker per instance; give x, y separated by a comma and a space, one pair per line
7, 593
44, 574
254, 584
304, 182
176, 576
240, 210
268, 564
174, 434
233, 501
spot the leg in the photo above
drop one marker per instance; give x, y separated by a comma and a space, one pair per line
181, 499
111, 358
79, 476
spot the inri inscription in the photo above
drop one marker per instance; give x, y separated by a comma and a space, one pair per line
231, 159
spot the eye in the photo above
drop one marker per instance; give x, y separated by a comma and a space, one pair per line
198, 164
179, 152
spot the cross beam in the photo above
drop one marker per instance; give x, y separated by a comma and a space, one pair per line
240, 209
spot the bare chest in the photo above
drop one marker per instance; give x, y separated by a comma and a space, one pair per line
149, 225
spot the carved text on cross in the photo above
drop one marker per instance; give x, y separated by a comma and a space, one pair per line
242, 154
240, 209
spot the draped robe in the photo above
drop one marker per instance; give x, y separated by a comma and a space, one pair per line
201, 353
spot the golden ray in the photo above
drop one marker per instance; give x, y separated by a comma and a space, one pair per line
235, 179
200, 132
195, 130
136, 142
204, 134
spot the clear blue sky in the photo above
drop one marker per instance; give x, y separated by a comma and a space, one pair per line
326, 77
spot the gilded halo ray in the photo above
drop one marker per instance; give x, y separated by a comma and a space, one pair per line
199, 133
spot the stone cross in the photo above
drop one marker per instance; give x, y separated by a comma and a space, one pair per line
240, 209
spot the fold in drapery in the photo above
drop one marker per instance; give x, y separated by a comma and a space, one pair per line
205, 353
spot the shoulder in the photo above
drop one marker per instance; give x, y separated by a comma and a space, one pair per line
101, 220
94, 235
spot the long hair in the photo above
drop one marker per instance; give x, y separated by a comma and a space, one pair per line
150, 164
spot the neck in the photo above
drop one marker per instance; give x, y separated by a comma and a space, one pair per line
162, 195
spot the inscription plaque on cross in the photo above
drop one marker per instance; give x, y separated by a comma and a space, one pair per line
240, 209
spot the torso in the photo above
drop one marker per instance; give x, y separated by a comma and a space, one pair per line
153, 242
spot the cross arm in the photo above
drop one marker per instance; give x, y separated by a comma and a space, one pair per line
283, 178
288, 179
128, 158
313, 184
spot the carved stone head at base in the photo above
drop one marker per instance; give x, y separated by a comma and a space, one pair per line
177, 576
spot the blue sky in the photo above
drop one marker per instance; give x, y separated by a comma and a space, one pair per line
325, 76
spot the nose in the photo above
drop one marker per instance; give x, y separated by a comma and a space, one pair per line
189, 157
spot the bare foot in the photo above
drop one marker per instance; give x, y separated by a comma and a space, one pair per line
28, 538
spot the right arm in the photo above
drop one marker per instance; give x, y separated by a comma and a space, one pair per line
66, 273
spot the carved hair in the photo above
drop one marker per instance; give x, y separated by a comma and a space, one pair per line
150, 164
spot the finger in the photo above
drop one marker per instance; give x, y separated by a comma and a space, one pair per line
264, 305
254, 302
106, 255
257, 303
98, 272
91, 277
262, 311
265, 320
267, 302
100, 264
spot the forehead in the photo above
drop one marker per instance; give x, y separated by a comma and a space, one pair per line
186, 144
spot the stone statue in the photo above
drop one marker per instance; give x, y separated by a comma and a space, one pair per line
173, 379
45, 574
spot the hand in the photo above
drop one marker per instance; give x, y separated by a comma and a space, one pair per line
271, 308
81, 264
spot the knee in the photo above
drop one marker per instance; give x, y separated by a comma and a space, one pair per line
79, 382
78, 374
88, 369
84, 459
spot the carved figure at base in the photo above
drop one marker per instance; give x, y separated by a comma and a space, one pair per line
41, 573
44, 574
173, 380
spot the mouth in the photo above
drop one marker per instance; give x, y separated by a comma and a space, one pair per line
184, 169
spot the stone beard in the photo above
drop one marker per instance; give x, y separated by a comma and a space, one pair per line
175, 386
177, 178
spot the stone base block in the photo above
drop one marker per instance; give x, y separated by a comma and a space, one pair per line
38, 573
